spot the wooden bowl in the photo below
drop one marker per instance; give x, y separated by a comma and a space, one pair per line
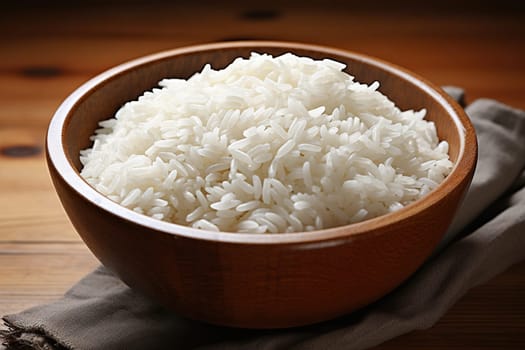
255, 280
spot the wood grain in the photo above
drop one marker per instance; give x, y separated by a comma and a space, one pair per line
482, 51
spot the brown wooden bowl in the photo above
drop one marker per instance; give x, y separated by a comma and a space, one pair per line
255, 280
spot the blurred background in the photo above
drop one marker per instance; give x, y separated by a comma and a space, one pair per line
48, 48
479, 45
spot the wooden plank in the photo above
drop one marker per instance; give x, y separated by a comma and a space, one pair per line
91, 54
33, 273
29, 208
122, 21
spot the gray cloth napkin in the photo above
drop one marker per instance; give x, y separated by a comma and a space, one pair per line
487, 237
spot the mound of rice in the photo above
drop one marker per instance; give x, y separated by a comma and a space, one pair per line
282, 144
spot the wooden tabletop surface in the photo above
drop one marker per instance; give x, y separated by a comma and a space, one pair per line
46, 51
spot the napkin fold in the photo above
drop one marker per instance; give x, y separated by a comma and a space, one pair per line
486, 237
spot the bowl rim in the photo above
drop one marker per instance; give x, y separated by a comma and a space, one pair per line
56, 154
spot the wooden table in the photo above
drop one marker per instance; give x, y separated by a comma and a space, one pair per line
46, 51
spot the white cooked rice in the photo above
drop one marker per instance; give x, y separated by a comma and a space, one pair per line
282, 144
